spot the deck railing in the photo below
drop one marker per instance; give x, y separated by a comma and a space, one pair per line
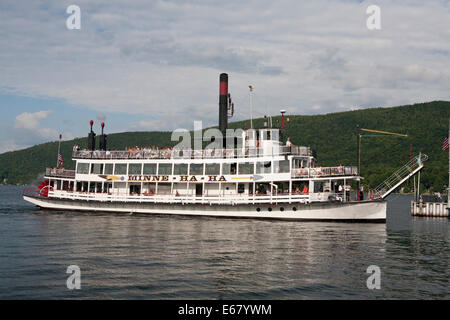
296, 173
191, 198
324, 172
434, 198
60, 173
191, 154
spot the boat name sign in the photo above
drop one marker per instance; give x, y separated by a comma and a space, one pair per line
166, 178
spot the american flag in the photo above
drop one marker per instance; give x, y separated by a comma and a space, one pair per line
60, 161
445, 144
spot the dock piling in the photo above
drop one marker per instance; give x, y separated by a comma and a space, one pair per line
429, 209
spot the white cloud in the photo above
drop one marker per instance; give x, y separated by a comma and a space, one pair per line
48, 134
162, 59
27, 131
31, 120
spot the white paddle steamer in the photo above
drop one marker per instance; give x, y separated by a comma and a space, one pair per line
258, 177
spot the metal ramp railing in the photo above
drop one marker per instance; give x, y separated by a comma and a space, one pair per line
400, 176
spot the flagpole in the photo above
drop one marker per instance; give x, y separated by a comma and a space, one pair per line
251, 106
59, 151
448, 186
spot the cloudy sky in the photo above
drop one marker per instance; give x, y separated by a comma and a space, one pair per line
154, 65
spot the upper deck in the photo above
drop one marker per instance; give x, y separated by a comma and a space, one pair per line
172, 153
305, 173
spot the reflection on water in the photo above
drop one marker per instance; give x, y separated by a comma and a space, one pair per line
161, 257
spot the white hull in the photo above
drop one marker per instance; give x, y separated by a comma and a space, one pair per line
364, 210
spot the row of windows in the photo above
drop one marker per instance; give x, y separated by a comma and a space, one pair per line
184, 168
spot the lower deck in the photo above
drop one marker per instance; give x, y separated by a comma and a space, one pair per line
374, 211
294, 190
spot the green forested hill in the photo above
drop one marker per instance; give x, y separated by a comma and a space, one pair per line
332, 135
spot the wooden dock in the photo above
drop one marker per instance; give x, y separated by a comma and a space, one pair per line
429, 209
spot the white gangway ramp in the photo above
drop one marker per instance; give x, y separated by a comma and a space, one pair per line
400, 176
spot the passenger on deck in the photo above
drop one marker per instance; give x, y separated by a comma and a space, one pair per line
347, 189
288, 142
361, 193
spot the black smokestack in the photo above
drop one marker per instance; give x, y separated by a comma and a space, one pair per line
91, 138
102, 143
223, 105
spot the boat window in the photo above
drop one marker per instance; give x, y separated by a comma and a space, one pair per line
318, 186
135, 189
180, 168
251, 134
163, 188
83, 168
228, 168
275, 135
196, 168
120, 168
108, 168
165, 168
212, 168
97, 168
246, 168
107, 187
262, 189
264, 167
135, 168
281, 166
282, 187
149, 168
149, 189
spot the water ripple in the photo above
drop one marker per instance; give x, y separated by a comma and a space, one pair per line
161, 257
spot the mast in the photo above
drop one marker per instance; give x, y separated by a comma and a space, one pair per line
358, 142
251, 106
376, 133
59, 151
448, 186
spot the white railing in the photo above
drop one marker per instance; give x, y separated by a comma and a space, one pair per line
169, 153
191, 199
324, 172
400, 176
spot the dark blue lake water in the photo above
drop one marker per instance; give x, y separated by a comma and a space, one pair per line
162, 257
